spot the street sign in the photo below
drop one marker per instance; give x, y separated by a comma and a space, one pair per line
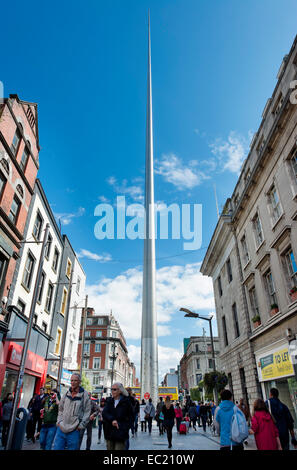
146, 396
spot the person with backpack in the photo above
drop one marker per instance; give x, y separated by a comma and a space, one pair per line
230, 424
193, 414
283, 419
203, 415
74, 414
150, 412
264, 429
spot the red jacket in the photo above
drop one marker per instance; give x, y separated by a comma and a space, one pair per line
178, 412
265, 431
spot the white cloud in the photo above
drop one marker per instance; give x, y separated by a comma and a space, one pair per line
66, 218
168, 358
176, 286
103, 199
175, 172
88, 254
231, 152
134, 191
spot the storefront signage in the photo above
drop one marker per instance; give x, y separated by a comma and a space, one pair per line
276, 364
66, 377
34, 362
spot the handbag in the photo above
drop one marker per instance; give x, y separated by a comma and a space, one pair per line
146, 416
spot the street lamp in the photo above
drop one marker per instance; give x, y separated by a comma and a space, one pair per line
191, 314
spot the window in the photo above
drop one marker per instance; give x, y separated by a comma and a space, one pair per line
111, 364
5, 165
87, 334
254, 301
24, 158
196, 348
68, 269
74, 315
85, 363
275, 205
21, 306
44, 326
98, 334
56, 260
20, 191
48, 246
15, 209
235, 320
96, 363
291, 267
197, 363
64, 301
210, 363
225, 330
229, 270
41, 286
35, 318
78, 285
245, 253
49, 297
89, 321
28, 271
220, 286
114, 334
294, 164
70, 348
97, 347
2, 184
16, 142
86, 348
198, 378
96, 379
58, 341
100, 321
270, 288
258, 230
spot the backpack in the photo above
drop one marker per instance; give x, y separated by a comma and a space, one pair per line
239, 428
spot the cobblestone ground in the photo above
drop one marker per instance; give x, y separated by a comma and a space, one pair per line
194, 440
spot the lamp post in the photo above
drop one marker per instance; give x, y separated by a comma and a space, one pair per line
209, 319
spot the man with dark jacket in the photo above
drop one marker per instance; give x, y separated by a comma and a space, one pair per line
6, 415
283, 419
37, 406
49, 414
193, 415
117, 416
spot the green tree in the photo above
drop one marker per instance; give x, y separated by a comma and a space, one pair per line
214, 380
195, 394
85, 383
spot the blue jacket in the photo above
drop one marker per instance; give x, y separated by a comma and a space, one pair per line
223, 416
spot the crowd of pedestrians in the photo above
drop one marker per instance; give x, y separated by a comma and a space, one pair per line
60, 422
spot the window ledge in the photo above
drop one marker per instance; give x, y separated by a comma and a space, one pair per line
246, 265
261, 244
26, 288
277, 222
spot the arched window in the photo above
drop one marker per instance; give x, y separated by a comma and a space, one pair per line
5, 165
20, 190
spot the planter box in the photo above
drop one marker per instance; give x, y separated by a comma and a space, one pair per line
256, 324
294, 296
274, 311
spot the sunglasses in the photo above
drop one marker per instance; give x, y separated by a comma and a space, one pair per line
113, 389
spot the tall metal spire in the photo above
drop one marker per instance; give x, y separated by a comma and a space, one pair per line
149, 339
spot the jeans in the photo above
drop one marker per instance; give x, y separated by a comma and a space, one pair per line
136, 424
204, 419
5, 431
47, 436
143, 425
193, 420
100, 425
149, 424
69, 441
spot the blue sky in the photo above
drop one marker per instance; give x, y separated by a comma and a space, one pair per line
214, 65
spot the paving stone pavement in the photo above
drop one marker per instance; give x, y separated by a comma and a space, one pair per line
194, 440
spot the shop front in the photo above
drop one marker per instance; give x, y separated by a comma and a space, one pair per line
51, 380
35, 372
276, 370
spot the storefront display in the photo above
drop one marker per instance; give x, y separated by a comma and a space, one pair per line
276, 370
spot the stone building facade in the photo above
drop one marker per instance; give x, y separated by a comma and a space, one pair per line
252, 255
105, 356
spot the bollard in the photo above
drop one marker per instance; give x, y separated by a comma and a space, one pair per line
19, 429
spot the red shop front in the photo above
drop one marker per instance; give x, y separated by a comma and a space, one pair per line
35, 372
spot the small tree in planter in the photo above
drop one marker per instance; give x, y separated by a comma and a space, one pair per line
293, 293
256, 320
273, 309
216, 380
